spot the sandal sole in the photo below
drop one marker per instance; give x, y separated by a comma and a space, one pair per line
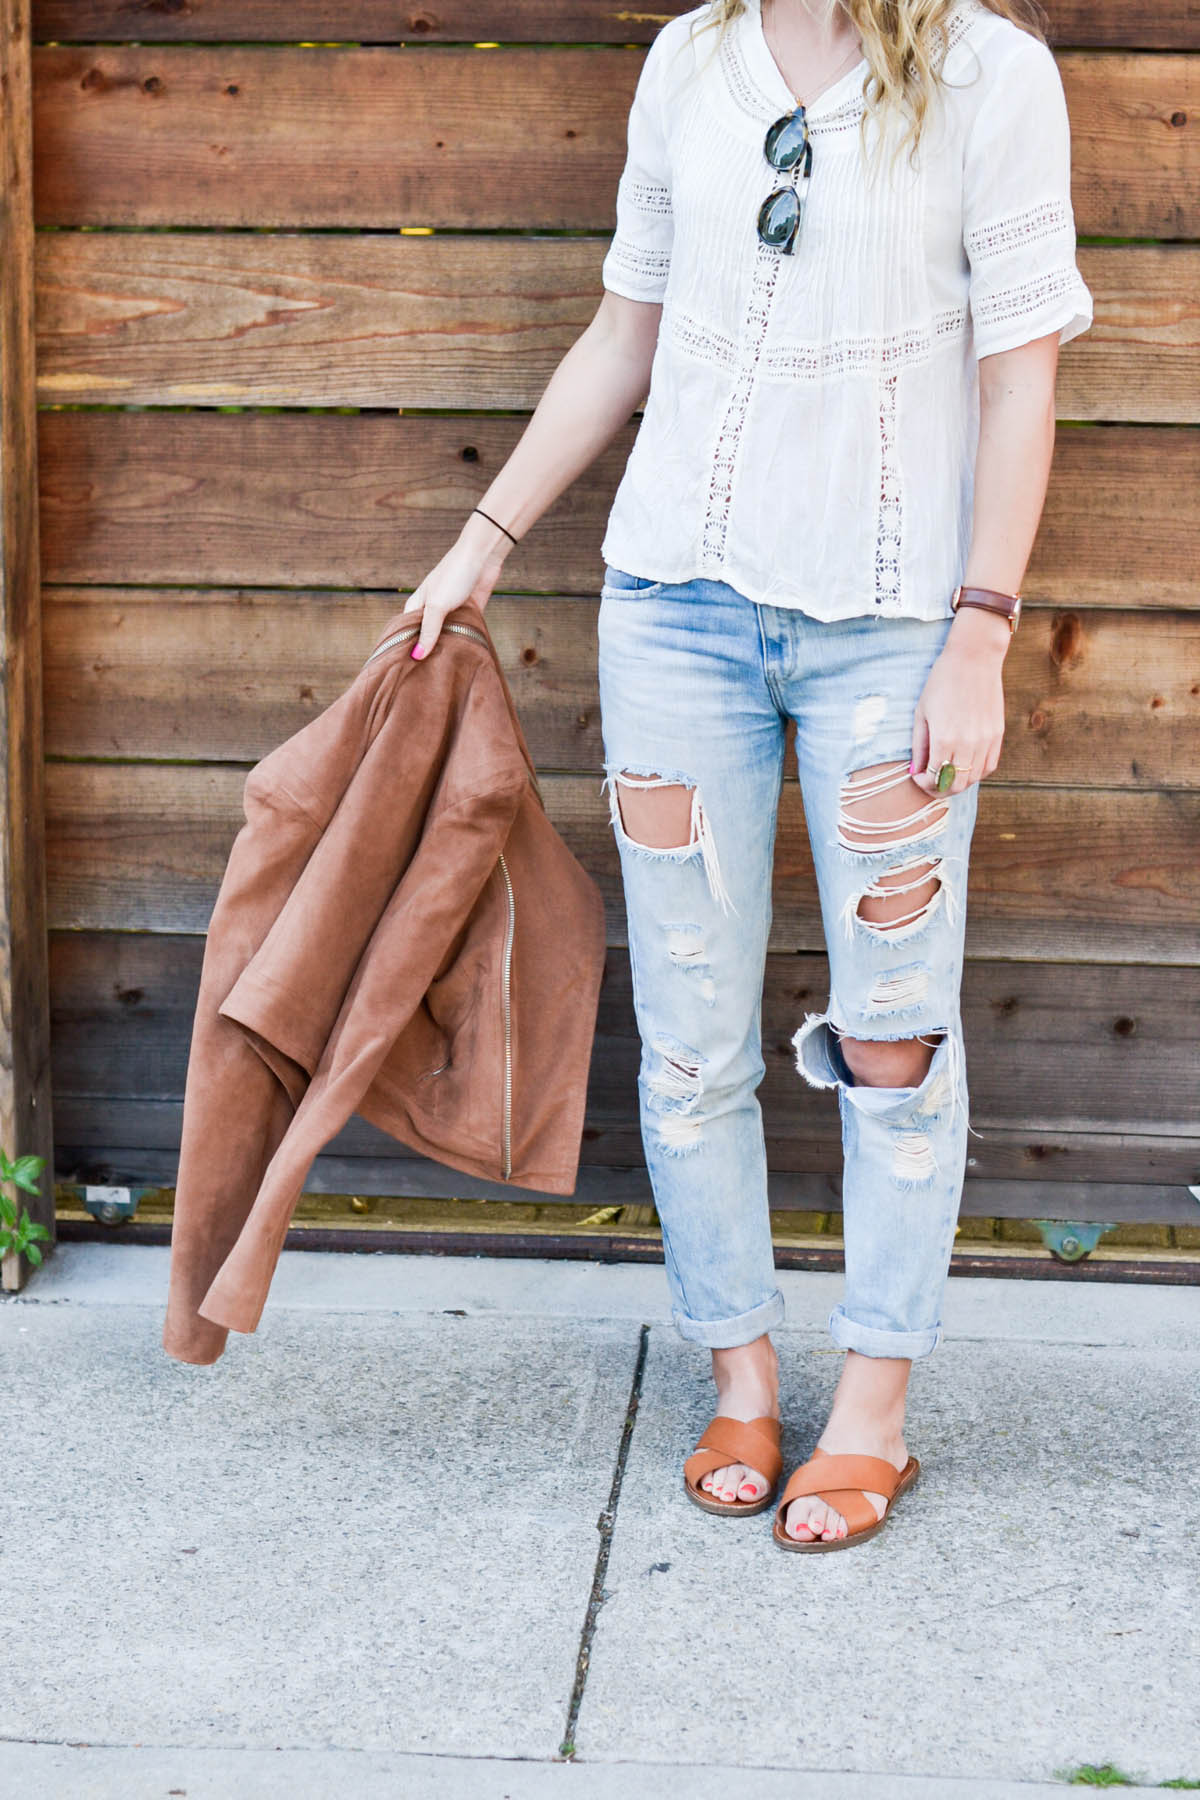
814, 1546
729, 1508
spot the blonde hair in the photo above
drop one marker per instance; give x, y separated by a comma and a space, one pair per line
903, 42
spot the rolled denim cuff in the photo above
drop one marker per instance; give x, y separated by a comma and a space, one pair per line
724, 1334
869, 1340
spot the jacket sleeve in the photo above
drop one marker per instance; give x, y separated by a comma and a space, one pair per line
418, 910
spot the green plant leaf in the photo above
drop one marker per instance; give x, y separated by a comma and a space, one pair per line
28, 1165
33, 1253
37, 1231
8, 1211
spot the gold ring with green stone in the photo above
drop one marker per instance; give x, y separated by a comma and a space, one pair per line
945, 777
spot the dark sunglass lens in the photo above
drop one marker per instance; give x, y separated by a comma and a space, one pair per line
779, 217
786, 141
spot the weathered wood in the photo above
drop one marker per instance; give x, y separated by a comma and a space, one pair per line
1154, 24
1095, 699
362, 501
1055, 873
25, 1109
379, 137
1062, 1062
112, 1142
447, 321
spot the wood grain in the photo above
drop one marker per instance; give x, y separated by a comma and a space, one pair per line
1055, 874
368, 501
1155, 24
1053, 1055
25, 1101
1096, 699
447, 321
378, 137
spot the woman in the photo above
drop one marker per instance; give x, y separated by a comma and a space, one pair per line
843, 265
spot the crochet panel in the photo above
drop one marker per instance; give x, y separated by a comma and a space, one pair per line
890, 516
729, 438
999, 236
1025, 300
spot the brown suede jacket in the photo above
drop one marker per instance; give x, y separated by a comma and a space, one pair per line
399, 932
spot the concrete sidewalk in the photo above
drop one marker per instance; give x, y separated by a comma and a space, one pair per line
426, 1528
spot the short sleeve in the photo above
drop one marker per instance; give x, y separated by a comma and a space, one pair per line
639, 257
1018, 225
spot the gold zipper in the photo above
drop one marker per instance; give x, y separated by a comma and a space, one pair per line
412, 631
506, 990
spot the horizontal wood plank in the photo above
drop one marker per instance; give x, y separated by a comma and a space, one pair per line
1055, 873
446, 321
1095, 699
348, 501
1115, 1175
379, 137
1155, 24
1069, 1050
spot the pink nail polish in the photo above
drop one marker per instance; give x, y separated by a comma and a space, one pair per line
418, 652
912, 768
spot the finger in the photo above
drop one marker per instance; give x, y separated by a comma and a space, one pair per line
919, 766
431, 625
968, 769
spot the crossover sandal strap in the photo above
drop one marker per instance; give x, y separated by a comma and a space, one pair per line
754, 1442
843, 1483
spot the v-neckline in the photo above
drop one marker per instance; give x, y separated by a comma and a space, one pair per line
772, 76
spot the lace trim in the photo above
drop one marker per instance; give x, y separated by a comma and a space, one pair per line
1026, 300
646, 196
840, 356
1028, 227
699, 341
818, 360
890, 518
640, 265
729, 438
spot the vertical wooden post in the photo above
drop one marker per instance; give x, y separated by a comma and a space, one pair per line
26, 1127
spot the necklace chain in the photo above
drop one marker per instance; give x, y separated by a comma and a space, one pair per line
854, 55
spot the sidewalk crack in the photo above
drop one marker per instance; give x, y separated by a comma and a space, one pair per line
604, 1525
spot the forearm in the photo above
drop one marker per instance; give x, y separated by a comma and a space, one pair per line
960, 716
1012, 468
587, 401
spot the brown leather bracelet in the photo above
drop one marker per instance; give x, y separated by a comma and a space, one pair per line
988, 600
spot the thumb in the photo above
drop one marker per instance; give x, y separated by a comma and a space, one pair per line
919, 767
431, 627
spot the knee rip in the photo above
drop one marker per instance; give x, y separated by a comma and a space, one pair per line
881, 810
913, 1157
667, 808
675, 1087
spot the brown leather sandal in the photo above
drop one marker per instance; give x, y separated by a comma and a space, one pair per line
843, 1482
754, 1442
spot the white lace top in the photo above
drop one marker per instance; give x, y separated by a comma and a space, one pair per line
810, 430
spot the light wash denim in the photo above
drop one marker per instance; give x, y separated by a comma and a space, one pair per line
697, 684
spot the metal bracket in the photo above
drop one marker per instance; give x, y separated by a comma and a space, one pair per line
112, 1205
1069, 1241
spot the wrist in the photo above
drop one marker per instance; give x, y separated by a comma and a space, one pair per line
480, 538
977, 633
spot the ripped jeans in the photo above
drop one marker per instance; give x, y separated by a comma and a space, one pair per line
697, 684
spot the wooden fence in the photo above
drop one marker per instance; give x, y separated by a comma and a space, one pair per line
292, 303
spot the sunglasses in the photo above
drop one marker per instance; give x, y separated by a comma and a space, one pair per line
781, 214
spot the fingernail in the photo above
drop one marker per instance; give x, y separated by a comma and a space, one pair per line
912, 768
418, 651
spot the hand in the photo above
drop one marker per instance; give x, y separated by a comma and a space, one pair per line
469, 570
960, 715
